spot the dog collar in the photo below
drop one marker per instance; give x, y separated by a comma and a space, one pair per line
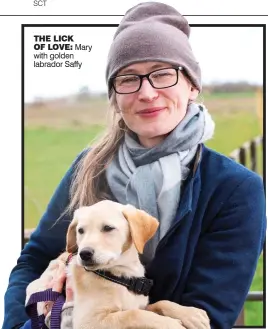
138, 285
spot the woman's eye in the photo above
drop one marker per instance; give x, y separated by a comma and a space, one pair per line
80, 230
107, 228
162, 74
129, 80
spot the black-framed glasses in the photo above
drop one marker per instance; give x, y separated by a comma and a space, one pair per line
159, 79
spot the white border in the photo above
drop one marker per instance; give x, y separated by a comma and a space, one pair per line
10, 87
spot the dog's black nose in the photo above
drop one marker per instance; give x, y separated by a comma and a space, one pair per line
86, 254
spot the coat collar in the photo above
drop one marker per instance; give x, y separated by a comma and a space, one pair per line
187, 194
198, 158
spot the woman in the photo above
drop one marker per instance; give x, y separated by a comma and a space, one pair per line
211, 210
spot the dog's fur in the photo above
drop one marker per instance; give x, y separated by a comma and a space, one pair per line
100, 303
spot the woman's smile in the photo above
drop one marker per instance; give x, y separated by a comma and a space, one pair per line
151, 112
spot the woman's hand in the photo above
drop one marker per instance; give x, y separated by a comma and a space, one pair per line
191, 317
57, 284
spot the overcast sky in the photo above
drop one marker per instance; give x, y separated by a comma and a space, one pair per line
224, 53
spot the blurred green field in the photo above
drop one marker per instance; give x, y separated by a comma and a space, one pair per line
55, 134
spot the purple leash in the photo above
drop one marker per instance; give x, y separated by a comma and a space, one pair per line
55, 318
44, 296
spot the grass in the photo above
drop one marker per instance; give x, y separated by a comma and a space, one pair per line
254, 310
232, 130
48, 154
55, 134
224, 95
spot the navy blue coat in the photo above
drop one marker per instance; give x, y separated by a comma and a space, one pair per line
207, 259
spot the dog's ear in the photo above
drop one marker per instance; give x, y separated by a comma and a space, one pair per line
142, 226
71, 245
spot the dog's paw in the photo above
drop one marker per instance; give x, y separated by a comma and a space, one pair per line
190, 317
171, 323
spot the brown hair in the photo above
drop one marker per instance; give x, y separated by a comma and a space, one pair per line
89, 184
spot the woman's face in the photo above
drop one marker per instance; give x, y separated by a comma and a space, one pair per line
153, 113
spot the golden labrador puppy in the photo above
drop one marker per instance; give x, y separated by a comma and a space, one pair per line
108, 236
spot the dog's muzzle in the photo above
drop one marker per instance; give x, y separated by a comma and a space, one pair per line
86, 256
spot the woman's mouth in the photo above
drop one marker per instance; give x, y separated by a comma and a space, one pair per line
151, 112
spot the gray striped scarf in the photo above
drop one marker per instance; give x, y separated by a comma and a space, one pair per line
150, 178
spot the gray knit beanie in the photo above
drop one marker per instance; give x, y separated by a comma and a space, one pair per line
152, 31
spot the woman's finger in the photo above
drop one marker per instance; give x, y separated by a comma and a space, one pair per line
59, 280
47, 307
57, 285
69, 290
53, 274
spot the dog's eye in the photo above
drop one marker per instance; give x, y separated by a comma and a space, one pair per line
80, 230
107, 228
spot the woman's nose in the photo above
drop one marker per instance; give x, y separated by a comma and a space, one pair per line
147, 92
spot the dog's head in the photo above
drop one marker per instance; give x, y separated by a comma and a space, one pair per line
103, 232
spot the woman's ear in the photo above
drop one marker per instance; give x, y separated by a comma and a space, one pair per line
193, 94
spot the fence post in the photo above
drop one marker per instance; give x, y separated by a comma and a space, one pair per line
242, 155
250, 148
253, 155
